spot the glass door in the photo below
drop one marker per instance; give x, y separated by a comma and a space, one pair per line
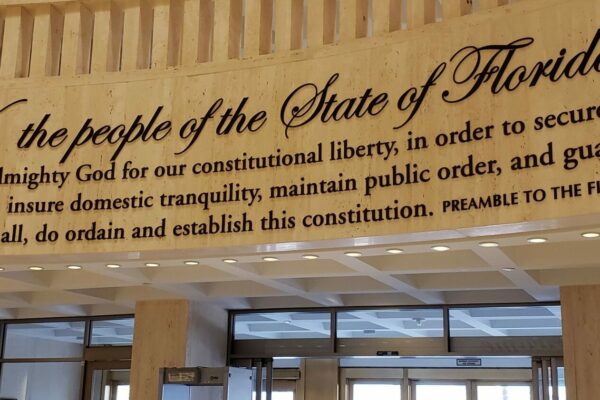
369, 389
107, 380
503, 391
284, 389
440, 390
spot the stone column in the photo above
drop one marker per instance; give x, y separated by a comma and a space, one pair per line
581, 340
175, 333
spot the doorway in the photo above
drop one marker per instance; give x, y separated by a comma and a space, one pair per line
428, 382
107, 380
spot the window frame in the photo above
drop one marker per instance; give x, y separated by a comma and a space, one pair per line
89, 353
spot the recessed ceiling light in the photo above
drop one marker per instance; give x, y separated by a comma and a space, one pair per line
488, 244
2, 268
310, 257
74, 267
270, 259
590, 235
508, 269
113, 266
36, 268
230, 261
537, 240
353, 254
152, 265
395, 251
191, 262
440, 248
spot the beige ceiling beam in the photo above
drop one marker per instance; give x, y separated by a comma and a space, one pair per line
354, 263
322, 299
311, 326
477, 323
394, 327
499, 260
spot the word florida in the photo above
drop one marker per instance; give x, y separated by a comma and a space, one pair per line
471, 69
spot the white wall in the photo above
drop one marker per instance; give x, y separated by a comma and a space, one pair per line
207, 344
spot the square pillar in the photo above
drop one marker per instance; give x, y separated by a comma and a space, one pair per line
581, 331
175, 333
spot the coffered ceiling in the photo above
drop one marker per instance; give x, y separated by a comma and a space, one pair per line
514, 271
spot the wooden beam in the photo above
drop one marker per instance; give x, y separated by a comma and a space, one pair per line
47, 41
77, 39
16, 47
108, 31
191, 32
227, 29
288, 25
386, 16
207, 25
353, 19
258, 27
455, 8
321, 22
160, 34
487, 4
420, 12
174, 48
137, 35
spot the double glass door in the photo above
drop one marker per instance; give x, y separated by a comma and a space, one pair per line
390, 390
421, 390
374, 389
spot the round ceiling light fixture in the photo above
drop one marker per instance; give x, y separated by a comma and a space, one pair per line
489, 244
353, 254
440, 248
537, 240
394, 251
590, 235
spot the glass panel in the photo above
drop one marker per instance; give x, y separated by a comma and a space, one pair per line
437, 392
503, 392
505, 321
176, 392
282, 396
110, 384
283, 325
562, 389
44, 340
47, 381
376, 390
122, 392
115, 332
390, 323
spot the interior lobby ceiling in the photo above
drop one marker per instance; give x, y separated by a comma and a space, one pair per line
402, 270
